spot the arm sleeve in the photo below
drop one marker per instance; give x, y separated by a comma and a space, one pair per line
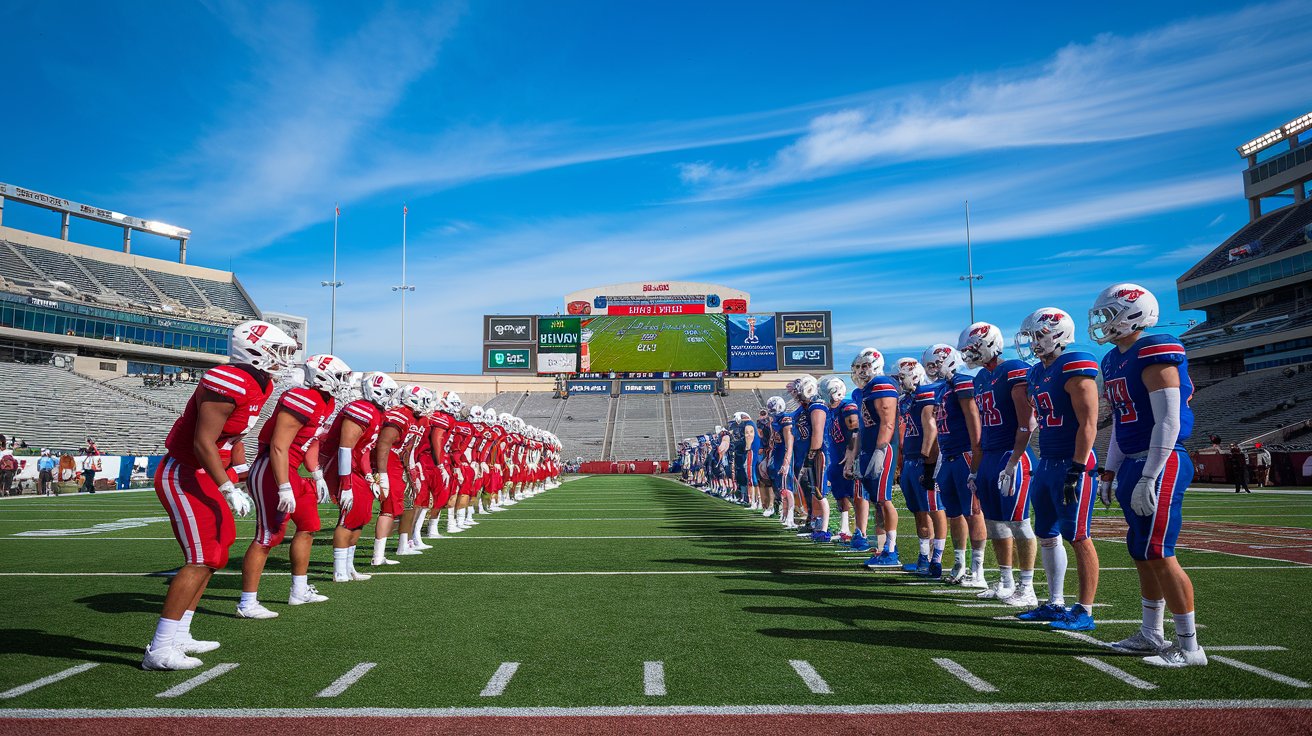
343, 461
1114, 455
1166, 430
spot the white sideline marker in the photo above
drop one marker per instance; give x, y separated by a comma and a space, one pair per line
963, 674
1247, 648
1118, 673
500, 679
29, 687
195, 682
813, 680
1282, 679
653, 678
351, 677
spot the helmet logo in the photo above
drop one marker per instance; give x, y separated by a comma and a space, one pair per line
980, 331
1052, 317
1130, 295
258, 331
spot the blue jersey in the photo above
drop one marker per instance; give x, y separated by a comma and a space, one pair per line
778, 425
997, 410
880, 387
1058, 424
953, 437
802, 433
911, 407
1124, 389
837, 431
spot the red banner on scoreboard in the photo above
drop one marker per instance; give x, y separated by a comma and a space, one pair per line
656, 309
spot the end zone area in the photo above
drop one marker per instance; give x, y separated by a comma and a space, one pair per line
632, 604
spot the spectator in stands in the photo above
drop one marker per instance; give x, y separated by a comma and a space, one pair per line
8, 469
91, 447
1238, 463
1263, 459
1216, 443
45, 480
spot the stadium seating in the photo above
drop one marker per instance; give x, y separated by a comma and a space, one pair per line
749, 401
641, 430
693, 414
1249, 405
582, 427
175, 397
1276, 231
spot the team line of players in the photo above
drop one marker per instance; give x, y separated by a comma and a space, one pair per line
967, 469
364, 439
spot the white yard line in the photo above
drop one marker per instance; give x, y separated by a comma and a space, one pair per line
500, 679
185, 687
653, 678
1118, 673
1282, 679
814, 682
351, 677
29, 687
963, 674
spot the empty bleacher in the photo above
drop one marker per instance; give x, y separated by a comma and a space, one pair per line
742, 400
693, 414
1274, 232
179, 288
641, 429
175, 397
582, 426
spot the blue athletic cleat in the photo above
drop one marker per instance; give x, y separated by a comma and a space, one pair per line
874, 560
920, 567
825, 537
1045, 612
1076, 619
860, 543
935, 571
888, 559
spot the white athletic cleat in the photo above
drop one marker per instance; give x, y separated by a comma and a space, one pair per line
768, 513
1022, 597
471, 522
408, 549
351, 577
195, 646
970, 581
168, 658
995, 591
419, 545
383, 562
1175, 657
1140, 643
255, 610
956, 575
309, 596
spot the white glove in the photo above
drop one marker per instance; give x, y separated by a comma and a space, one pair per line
1105, 492
1007, 480
286, 498
970, 482
320, 485
1143, 501
238, 500
446, 475
483, 467
875, 469
346, 497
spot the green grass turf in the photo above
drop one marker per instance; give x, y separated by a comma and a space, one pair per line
608, 351
759, 597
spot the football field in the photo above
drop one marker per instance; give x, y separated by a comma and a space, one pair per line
633, 596
652, 344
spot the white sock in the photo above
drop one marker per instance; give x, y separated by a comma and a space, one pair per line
1008, 581
1054, 566
891, 545
937, 556
924, 546
962, 558
300, 584
404, 542
1027, 578
977, 559
419, 523
248, 599
1154, 616
165, 632
350, 558
1185, 633
341, 566
842, 521
184, 626
434, 523
380, 548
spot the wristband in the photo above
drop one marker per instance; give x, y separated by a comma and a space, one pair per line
243, 468
343, 461
285, 487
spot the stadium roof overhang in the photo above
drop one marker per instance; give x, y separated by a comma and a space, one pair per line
125, 349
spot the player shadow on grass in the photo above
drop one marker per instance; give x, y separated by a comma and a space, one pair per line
57, 646
138, 602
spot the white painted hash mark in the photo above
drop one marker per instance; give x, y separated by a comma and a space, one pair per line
195, 682
813, 680
1118, 673
1282, 679
963, 674
29, 687
351, 677
500, 679
653, 678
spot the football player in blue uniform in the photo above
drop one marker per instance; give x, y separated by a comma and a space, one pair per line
841, 436
746, 460
1146, 381
1002, 471
958, 443
1063, 389
723, 447
808, 430
919, 409
781, 458
764, 488
878, 396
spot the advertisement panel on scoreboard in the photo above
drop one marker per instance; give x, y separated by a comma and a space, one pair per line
657, 344
804, 355
803, 325
508, 359
751, 342
558, 344
596, 388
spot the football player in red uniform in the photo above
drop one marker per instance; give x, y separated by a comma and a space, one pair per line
290, 437
224, 407
437, 468
462, 435
389, 468
418, 492
344, 455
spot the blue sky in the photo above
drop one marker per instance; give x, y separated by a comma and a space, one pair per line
816, 155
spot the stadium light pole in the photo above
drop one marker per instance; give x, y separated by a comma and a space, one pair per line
971, 277
332, 330
404, 287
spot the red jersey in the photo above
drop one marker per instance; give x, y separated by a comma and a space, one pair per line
399, 418
245, 386
462, 435
439, 436
482, 442
365, 414
312, 408
499, 435
418, 434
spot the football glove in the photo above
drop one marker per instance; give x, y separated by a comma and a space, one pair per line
1143, 500
875, 470
320, 485
849, 470
346, 494
1071, 486
1007, 480
238, 500
927, 477
484, 468
446, 475
1105, 492
970, 482
286, 498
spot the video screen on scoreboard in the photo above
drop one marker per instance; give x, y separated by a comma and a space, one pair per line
631, 344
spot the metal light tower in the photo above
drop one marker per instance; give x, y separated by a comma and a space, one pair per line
971, 277
404, 287
332, 331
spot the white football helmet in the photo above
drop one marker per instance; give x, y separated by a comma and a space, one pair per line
520, 425
329, 374
1121, 310
776, 405
476, 414
804, 389
941, 361
741, 416
449, 402
980, 344
415, 398
1044, 334
866, 365
380, 390
911, 375
262, 345
832, 389
506, 419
